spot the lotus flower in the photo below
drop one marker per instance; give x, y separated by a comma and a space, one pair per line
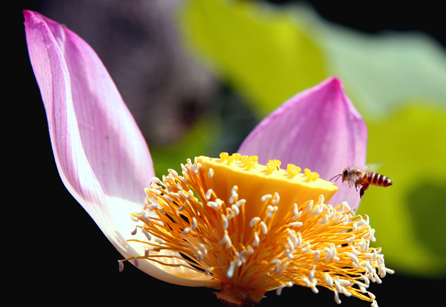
239, 223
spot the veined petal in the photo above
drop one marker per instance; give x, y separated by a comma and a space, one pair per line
100, 153
70, 73
319, 129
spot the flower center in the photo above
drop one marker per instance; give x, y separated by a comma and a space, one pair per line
256, 228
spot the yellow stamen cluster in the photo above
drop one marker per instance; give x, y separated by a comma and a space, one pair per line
256, 228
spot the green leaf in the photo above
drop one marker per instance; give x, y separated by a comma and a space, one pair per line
260, 51
409, 216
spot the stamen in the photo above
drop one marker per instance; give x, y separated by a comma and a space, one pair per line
194, 224
212, 204
134, 231
276, 199
231, 269
225, 221
351, 239
254, 221
235, 209
264, 228
216, 221
135, 261
208, 194
279, 289
210, 173
148, 236
266, 197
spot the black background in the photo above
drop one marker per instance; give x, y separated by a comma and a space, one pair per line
57, 254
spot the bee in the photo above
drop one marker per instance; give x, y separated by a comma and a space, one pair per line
361, 178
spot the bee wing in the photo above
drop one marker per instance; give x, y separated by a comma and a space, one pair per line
373, 167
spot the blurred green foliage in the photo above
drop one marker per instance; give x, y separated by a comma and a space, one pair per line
397, 83
261, 55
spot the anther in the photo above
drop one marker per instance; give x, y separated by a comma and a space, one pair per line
271, 210
265, 197
143, 217
166, 197
147, 234
235, 209
276, 199
290, 244
283, 268
233, 198
351, 239
212, 204
256, 239
336, 297
231, 269
279, 289
203, 248
240, 202
173, 172
121, 266
254, 221
135, 261
338, 286
353, 258
225, 221
328, 280
134, 218
324, 219
186, 196
175, 195
134, 231
306, 248
289, 253
309, 206
318, 255
194, 223
209, 194
200, 255
264, 228
278, 263
311, 275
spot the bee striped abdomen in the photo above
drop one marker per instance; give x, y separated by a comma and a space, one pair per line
378, 179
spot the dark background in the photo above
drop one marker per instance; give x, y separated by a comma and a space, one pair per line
57, 254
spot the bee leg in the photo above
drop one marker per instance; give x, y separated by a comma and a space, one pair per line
362, 191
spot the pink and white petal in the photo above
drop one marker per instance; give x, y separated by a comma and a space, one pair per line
99, 151
319, 129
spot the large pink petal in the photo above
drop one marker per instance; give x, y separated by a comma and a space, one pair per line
112, 142
319, 129
99, 151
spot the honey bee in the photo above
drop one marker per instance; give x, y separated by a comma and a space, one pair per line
362, 178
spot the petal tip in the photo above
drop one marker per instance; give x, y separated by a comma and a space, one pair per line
335, 82
30, 15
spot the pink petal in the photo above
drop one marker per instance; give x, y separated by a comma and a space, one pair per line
66, 66
319, 129
100, 153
